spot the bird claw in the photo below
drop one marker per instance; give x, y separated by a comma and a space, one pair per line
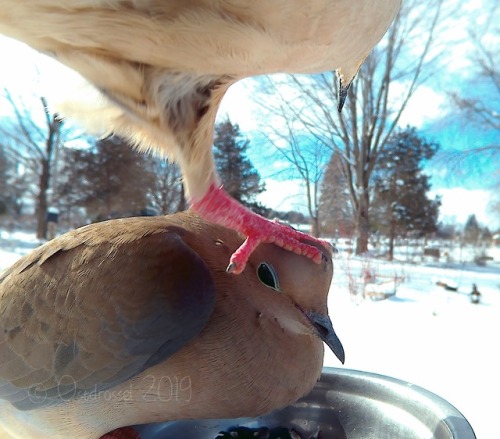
217, 206
239, 258
274, 233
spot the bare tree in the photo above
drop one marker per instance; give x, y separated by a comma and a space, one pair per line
482, 108
303, 157
376, 100
309, 160
33, 143
337, 216
167, 191
475, 103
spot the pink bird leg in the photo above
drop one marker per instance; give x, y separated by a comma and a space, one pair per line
220, 208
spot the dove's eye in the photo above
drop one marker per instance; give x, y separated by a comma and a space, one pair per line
267, 275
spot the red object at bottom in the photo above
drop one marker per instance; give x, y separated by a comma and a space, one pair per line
122, 433
220, 208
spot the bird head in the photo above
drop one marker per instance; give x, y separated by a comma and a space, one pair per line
304, 285
284, 287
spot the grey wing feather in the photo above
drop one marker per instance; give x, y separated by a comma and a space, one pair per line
90, 317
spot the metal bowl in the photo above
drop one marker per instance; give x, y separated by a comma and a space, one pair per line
344, 404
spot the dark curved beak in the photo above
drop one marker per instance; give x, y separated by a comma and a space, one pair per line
325, 331
342, 94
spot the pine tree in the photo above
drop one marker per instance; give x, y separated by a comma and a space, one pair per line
241, 180
108, 180
400, 203
472, 230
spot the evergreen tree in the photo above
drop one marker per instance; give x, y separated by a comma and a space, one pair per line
472, 230
400, 203
14, 186
108, 180
241, 180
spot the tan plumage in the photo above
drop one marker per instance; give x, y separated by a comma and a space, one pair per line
142, 310
163, 67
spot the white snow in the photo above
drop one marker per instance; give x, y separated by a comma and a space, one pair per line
14, 245
425, 335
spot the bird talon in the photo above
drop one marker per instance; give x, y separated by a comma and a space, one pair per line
317, 259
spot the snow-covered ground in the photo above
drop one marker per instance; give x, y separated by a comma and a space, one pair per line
14, 245
424, 334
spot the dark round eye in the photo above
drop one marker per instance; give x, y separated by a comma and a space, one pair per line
267, 275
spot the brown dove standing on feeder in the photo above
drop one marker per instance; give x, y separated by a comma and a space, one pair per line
136, 321
163, 67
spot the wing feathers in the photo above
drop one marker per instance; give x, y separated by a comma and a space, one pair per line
84, 314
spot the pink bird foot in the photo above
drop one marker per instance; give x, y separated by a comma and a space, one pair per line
122, 433
220, 208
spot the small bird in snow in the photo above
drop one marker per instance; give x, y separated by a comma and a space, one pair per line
162, 68
136, 321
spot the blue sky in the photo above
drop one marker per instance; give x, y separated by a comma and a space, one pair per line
467, 183
467, 187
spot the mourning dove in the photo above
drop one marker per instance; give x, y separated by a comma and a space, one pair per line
162, 68
136, 321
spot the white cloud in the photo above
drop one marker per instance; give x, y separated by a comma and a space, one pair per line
458, 203
425, 105
467, 20
284, 195
24, 68
246, 104
30, 74
238, 105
